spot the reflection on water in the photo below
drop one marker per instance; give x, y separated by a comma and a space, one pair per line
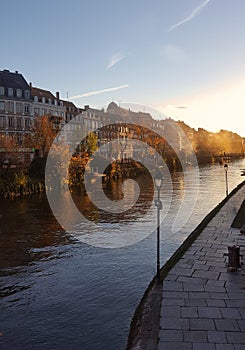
59, 293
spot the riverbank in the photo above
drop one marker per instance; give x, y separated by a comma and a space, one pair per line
179, 319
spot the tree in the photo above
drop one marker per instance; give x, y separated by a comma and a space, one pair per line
42, 136
10, 147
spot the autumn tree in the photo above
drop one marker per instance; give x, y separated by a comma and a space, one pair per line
42, 135
9, 146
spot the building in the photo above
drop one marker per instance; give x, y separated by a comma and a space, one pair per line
45, 103
16, 115
16, 111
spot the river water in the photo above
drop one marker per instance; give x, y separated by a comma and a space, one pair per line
58, 292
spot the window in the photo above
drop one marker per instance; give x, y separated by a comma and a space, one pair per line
27, 109
27, 123
27, 94
10, 92
19, 123
50, 111
11, 122
10, 106
55, 102
1, 90
50, 101
43, 111
19, 139
19, 107
35, 99
2, 122
19, 93
36, 111
43, 100
1, 105
61, 103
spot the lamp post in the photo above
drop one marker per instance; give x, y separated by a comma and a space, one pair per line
158, 183
226, 178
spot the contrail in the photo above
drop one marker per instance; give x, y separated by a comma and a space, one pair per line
115, 59
98, 92
194, 13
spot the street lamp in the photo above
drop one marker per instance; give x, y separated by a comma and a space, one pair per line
226, 178
158, 183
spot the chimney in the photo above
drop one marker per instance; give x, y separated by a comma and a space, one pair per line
16, 72
86, 107
57, 95
30, 84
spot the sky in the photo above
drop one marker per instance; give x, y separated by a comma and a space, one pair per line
184, 58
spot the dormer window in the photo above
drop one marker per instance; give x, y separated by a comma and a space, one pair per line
35, 99
27, 94
55, 102
61, 103
10, 92
50, 101
19, 93
1, 90
43, 100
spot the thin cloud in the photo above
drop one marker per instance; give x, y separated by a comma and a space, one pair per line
194, 13
174, 53
98, 92
115, 59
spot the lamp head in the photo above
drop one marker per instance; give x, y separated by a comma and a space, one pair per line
158, 179
226, 167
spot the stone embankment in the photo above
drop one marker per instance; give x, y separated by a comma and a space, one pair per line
200, 303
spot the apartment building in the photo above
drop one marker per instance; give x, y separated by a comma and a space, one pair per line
16, 110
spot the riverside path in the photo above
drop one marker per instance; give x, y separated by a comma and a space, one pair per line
203, 304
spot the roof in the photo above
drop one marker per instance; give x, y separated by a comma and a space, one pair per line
13, 80
42, 93
69, 104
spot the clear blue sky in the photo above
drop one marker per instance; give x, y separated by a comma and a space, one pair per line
170, 53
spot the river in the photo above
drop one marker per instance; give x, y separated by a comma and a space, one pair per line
58, 292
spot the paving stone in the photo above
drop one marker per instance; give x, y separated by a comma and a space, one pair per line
195, 336
235, 303
227, 325
174, 302
174, 323
173, 295
209, 312
224, 347
172, 286
214, 295
199, 295
203, 346
235, 337
215, 302
174, 346
193, 287
242, 325
216, 337
237, 295
218, 269
201, 324
211, 288
195, 302
189, 312
230, 312
182, 272
170, 311
171, 277
206, 274
242, 312
171, 335
192, 280
239, 347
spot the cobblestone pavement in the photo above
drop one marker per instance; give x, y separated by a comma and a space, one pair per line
203, 305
